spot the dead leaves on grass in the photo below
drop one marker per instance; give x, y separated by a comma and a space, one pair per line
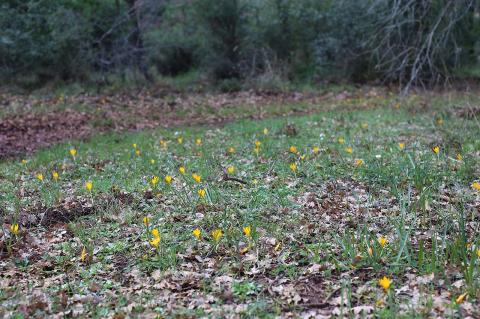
25, 133
28, 130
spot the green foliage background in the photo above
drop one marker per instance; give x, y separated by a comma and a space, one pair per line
409, 42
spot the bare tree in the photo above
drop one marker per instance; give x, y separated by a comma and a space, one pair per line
417, 41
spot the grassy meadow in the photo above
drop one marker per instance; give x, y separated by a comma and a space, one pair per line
369, 212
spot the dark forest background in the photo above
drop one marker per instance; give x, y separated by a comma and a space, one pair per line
233, 42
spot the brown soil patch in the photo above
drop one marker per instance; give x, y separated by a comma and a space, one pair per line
25, 133
64, 212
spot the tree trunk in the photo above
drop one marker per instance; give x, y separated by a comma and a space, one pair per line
136, 38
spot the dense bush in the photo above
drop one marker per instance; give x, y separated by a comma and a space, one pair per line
341, 50
42, 39
405, 41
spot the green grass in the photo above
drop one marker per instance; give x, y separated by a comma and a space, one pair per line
313, 228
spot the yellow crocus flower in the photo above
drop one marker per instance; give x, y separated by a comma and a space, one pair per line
197, 177
83, 255
217, 234
293, 167
14, 229
461, 298
146, 221
155, 242
197, 232
385, 283
382, 241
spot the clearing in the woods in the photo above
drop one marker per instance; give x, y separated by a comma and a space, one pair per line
355, 204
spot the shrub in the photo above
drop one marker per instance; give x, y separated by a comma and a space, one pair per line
44, 39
